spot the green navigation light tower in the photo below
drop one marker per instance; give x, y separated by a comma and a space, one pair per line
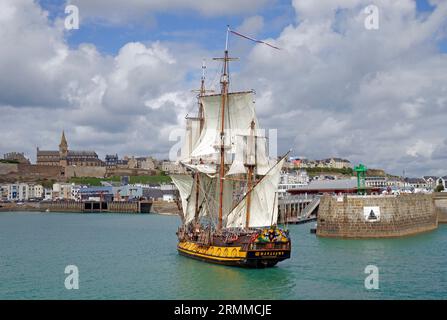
361, 174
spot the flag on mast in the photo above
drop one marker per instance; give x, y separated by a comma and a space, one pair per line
252, 39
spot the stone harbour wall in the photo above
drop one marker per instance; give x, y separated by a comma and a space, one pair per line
164, 207
396, 216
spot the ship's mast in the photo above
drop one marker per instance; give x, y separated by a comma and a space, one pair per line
200, 116
224, 81
250, 166
201, 94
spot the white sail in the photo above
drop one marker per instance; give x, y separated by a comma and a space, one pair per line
238, 165
263, 208
191, 137
184, 185
250, 153
263, 163
238, 116
208, 200
192, 199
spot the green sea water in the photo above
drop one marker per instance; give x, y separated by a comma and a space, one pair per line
125, 256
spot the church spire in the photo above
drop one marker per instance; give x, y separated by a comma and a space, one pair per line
63, 147
63, 143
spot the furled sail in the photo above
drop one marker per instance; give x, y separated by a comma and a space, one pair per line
208, 169
264, 207
239, 114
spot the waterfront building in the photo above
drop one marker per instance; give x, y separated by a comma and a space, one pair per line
48, 194
153, 193
65, 191
376, 182
13, 192
169, 197
96, 194
337, 187
291, 180
430, 181
167, 187
163, 192
62, 191
127, 192
3, 192
416, 183
65, 157
22, 191
395, 182
37, 191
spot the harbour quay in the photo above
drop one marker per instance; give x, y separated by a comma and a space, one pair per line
143, 206
377, 216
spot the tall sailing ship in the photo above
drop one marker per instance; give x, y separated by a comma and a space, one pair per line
229, 199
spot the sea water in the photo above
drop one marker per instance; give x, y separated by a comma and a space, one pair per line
132, 256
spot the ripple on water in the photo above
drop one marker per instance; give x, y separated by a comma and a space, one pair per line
134, 257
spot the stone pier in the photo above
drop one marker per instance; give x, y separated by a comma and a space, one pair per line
376, 216
98, 206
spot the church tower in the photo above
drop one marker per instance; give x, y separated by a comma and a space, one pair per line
63, 151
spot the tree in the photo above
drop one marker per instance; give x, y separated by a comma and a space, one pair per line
439, 188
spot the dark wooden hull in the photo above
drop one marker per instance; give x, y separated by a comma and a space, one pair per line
245, 251
244, 263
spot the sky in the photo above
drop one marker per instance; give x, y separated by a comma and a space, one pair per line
122, 82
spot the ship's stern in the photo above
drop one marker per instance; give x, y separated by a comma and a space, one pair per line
268, 247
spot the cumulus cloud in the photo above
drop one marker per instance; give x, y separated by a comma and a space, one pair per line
252, 25
107, 103
335, 89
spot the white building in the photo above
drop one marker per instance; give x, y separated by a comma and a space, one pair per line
168, 197
376, 182
37, 191
48, 194
167, 187
292, 180
3, 192
65, 191
22, 191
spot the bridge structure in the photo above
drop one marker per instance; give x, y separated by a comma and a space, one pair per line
296, 209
